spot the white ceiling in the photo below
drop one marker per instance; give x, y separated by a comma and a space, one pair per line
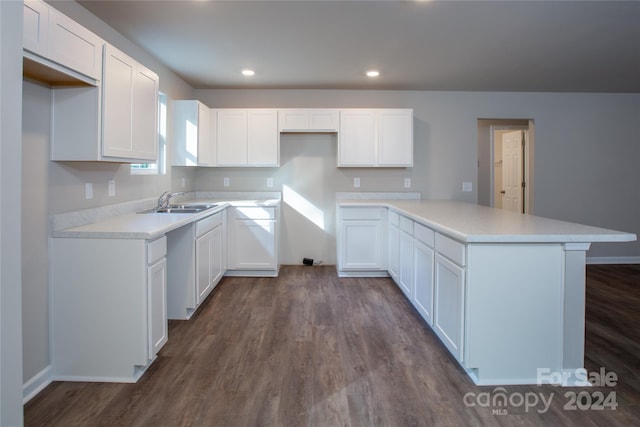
542, 46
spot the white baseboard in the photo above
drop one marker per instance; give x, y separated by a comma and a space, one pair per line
36, 384
614, 260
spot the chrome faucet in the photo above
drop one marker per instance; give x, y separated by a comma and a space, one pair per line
165, 199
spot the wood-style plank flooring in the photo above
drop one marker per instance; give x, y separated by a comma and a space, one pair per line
311, 349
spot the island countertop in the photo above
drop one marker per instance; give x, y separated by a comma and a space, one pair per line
471, 223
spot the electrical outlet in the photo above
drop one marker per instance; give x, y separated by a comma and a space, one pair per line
269, 182
467, 187
112, 188
88, 190
356, 182
226, 181
184, 182
407, 183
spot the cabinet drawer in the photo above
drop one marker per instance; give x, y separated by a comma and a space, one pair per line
156, 249
406, 225
424, 234
394, 219
255, 212
451, 249
209, 223
361, 213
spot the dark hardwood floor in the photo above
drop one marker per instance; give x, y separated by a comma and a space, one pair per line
310, 349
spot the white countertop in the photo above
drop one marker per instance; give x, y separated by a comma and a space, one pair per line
151, 225
473, 223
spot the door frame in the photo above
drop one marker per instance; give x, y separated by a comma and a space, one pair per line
527, 166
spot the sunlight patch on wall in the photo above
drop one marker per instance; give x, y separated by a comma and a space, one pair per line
303, 206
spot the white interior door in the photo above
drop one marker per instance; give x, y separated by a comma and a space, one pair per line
512, 177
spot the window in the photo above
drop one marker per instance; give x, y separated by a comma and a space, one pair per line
159, 168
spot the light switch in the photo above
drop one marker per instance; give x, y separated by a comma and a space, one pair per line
467, 186
356, 182
88, 190
112, 188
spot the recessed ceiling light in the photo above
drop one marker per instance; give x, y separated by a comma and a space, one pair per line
248, 72
373, 73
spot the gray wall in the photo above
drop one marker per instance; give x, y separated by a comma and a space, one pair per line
10, 253
586, 150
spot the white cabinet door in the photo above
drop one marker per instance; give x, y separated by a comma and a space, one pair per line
35, 27
308, 120
119, 75
130, 108
217, 260
376, 137
362, 245
204, 248
231, 137
157, 306
423, 280
144, 115
254, 245
75, 47
262, 138
205, 148
394, 250
449, 305
191, 134
406, 264
357, 138
209, 268
395, 137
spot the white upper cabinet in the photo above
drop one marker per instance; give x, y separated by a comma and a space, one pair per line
191, 134
130, 115
36, 27
357, 138
246, 137
60, 44
376, 137
114, 122
395, 137
308, 120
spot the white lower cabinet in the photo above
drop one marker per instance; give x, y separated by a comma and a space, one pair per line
423, 279
362, 243
448, 320
108, 313
406, 277
209, 266
394, 246
252, 241
197, 262
157, 305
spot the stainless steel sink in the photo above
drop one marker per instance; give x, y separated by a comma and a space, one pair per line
180, 209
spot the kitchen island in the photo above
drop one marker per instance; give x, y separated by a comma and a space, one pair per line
504, 292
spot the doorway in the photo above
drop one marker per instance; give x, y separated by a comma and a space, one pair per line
505, 164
